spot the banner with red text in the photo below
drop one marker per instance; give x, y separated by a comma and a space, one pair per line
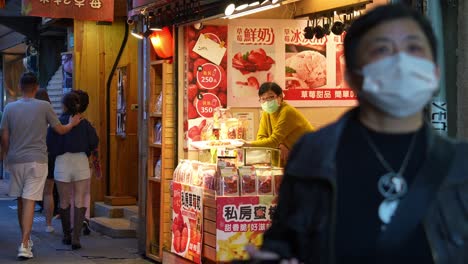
95, 10
310, 71
206, 79
241, 221
187, 221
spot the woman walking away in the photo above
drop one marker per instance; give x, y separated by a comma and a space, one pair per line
48, 196
72, 172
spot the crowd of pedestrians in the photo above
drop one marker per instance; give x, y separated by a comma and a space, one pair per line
41, 149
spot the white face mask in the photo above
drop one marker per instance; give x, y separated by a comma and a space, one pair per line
399, 85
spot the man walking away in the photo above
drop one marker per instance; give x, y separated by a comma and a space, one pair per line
23, 130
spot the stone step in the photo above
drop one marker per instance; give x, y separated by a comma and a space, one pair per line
130, 211
134, 222
55, 92
115, 211
113, 227
55, 82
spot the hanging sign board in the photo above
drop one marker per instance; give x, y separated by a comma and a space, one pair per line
95, 10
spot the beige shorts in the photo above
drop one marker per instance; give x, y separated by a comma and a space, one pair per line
72, 167
27, 180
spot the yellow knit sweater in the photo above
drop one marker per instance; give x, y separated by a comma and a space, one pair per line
284, 126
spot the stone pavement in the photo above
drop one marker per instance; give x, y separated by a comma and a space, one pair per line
48, 248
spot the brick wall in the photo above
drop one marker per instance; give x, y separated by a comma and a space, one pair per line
462, 82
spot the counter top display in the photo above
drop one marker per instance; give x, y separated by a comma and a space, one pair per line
238, 201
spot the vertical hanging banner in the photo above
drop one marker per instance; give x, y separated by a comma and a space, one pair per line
95, 10
187, 221
206, 79
310, 71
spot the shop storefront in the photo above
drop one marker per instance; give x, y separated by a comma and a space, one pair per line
207, 196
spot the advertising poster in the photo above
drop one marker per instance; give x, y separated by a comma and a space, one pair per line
206, 77
187, 221
241, 221
252, 61
310, 71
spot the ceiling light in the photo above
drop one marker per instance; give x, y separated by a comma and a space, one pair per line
252, 11
264, 2
153, 24
136, 34
230, 9
274, 1
254, 3
242, 5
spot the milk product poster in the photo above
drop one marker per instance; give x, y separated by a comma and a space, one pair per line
310, 71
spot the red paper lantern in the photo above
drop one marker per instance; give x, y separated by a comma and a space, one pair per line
162, 43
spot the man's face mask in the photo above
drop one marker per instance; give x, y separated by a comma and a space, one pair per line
399, 85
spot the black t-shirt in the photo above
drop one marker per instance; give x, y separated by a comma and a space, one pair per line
358, 198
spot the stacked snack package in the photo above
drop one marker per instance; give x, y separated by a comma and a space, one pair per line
278, 177
241, 128
229, 182
264, 181
176, 175
208, 174
195, 177
231, 128
187, 172
248, 178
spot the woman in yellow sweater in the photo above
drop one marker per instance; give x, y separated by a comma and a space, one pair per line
281, 125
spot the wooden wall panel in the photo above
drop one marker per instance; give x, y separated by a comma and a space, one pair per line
96, 48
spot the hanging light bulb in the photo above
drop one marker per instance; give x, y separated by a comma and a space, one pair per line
254, 3
230, 9
274, 1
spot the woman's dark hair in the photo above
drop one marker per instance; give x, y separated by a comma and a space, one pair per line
72, 103
84, 100
42, 94
374, 18
28, 82
270, 86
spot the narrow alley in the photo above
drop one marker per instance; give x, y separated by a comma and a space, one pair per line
48, 247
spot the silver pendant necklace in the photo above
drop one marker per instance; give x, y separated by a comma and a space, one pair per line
392, 185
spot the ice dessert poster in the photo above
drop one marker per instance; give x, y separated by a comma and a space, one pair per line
252, 60
314, 69
309, 70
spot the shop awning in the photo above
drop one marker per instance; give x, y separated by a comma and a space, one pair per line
179, 11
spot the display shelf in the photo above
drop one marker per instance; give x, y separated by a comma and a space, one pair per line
156, 115
153, 179
154, 257
157, 203
156, 62
155, 145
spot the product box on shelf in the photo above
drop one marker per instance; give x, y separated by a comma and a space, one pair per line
248, 178
264, 181
229, 182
